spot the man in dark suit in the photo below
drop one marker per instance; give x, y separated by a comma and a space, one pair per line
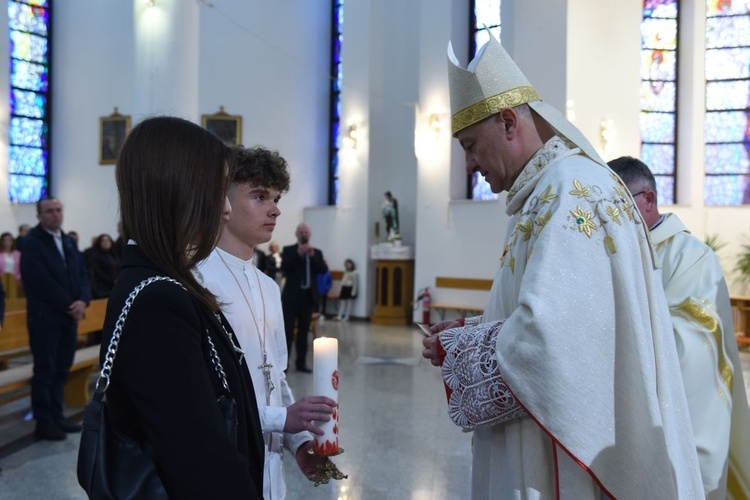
57, 293
301, 264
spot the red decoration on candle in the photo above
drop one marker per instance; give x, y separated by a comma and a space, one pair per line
326, 449
335, 380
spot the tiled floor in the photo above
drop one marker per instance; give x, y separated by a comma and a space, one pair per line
398, 440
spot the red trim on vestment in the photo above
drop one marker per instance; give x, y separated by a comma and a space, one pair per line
461, 321
557, 471
559, 443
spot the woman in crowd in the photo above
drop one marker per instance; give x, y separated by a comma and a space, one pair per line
10, 267
172, 182
103, 267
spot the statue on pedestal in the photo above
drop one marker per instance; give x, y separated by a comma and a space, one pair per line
390, 213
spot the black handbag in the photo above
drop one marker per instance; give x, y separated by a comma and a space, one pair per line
113, 466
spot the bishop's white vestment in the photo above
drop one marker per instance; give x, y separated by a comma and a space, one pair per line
585, 397
217, 277
701, 315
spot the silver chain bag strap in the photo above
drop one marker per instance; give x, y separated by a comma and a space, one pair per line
113, 466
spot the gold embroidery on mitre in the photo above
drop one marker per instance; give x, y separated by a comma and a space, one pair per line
493, 105
707, 320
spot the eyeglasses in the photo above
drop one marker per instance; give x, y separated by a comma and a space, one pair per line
639, 192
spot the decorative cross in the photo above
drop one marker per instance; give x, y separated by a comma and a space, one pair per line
266, 369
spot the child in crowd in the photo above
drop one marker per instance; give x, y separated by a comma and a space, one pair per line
348, 290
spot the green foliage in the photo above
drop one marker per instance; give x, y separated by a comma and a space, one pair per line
743, 263
712, 240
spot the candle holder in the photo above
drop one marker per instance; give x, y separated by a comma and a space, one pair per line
327, 470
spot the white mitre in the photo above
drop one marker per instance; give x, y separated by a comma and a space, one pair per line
493, 82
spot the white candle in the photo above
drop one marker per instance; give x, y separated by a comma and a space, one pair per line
326, 383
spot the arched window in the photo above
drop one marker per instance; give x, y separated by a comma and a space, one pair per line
658, 120
28, 164
337, 37
485, 19
727, 127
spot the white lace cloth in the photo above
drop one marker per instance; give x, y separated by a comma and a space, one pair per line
480, 397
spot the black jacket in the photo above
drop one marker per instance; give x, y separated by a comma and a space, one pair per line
164, 389
51, 285
293, 265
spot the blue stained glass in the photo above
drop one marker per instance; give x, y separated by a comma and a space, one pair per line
658, 64
22, 17
26, 188
657, 96
659, 34
660, 8
38, 3
664, 189
28, 47
727, 7
726, 126
725, 64
487, 13
26, 75
27, 132
657, 127
337, 40
25, 160
727, 32
727, 158
727, 95
26, 103
659, 158
729, 190
480, 188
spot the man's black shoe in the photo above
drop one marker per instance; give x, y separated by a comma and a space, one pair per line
49, 432
69, 428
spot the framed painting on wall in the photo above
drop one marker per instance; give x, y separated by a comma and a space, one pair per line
226, 127
112, 132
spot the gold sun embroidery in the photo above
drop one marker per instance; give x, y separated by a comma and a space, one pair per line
583, 219
547, 196
579, 190
614, 214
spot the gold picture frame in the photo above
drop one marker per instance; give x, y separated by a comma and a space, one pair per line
113, 130
226, 127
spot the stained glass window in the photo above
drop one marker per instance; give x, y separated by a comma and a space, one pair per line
28, 165
658, 120
485, 19
337, 37
727, 129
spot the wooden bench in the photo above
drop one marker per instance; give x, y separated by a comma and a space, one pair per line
464, 309
14, 337
741, 319
14, 342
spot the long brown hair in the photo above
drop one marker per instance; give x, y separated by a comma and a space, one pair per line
172, 181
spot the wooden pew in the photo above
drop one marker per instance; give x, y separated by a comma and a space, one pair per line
14, 342
464, 308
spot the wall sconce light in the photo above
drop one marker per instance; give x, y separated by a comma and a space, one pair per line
607, 132
350, 139
435, 125
151, 3
570, 113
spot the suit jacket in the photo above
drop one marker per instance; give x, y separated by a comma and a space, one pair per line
293, 266
164, 389
51, 284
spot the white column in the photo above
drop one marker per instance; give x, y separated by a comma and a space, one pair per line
166, 59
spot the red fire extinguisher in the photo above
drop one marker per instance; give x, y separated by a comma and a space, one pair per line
426, 306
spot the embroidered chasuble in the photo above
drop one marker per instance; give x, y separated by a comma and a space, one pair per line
701, 315
217, 277
586, 399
